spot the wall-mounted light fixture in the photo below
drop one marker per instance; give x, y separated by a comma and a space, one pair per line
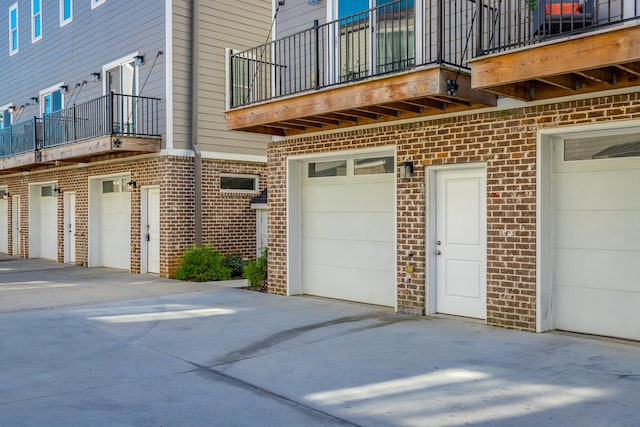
138, 60
12, 108
57, 191
5, 195
95, 77
131, 185
406, 170
34, 99
64, 89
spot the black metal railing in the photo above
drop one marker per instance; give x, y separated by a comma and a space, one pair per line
112, 114
22, 137
386, 39
509, 24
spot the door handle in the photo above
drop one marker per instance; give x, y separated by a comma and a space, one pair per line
148, 237
438, 253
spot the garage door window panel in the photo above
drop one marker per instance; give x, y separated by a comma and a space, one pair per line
327, 169
602, 148
374, 165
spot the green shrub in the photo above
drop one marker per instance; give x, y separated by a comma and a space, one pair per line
256, 271
202, 264
236, 263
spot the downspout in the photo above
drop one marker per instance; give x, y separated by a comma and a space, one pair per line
195, 50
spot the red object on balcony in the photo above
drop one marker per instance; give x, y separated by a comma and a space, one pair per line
561, 8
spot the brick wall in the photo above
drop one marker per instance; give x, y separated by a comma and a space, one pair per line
228, 221
506, 142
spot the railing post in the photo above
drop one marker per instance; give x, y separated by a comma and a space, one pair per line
73, 120
231, 94
480, 26
316, 30
110, 112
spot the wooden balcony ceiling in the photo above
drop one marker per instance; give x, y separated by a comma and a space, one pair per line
413, 94
590, 63
97, 148
17, 163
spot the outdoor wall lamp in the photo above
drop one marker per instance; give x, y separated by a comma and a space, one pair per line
131, 185
406, 170
5, 195
12, 108
34, 99
57, 191
64, 89
138, 60
95, 77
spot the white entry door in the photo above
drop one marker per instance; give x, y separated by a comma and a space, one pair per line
115, 226
4, 225
152, 232
70, 227
460, 242
15, 225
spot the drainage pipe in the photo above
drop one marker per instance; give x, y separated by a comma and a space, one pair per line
195, 51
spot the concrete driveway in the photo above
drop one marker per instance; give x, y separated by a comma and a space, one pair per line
94, 347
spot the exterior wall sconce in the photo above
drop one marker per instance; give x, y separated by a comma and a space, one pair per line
406, 170
57, 191
64, 89
132, 185
12, 108
5, 195
138, 60
34, 99
95, 77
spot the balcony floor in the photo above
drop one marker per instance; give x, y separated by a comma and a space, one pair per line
589, 63
416, 93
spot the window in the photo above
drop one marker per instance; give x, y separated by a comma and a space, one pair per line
96, 3
66, 12
117, 185
51, 101
594, 148
374, 165
330, 168
243, 183
13, 29
46, 191
5, 117
36, 20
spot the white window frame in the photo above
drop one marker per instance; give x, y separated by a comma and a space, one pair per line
64, 22
96, 3
13, 51
2, 109
256, 183
34, 15
48, 91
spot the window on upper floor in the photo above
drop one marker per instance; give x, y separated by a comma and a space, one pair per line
13, 29
51, 101
96, 3
5, 117
36, 20
66, 12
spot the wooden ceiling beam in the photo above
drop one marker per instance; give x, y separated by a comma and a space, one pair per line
599, 75
360, 113
380, 110
631, 68
567, 81
429, 103
405, 106
340, 117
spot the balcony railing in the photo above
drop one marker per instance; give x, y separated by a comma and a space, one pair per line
20, 138
509, 24
112, 114
386, 39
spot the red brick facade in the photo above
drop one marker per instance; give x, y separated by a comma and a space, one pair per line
505, 141
228, 221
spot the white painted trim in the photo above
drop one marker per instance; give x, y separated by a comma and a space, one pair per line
430, 227
96, 3
63, 21
118, 63
50, 89
168, 51
17, 49
33, 27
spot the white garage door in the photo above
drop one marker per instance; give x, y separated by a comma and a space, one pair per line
597, 244
115, 225
348, 229
4, 223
